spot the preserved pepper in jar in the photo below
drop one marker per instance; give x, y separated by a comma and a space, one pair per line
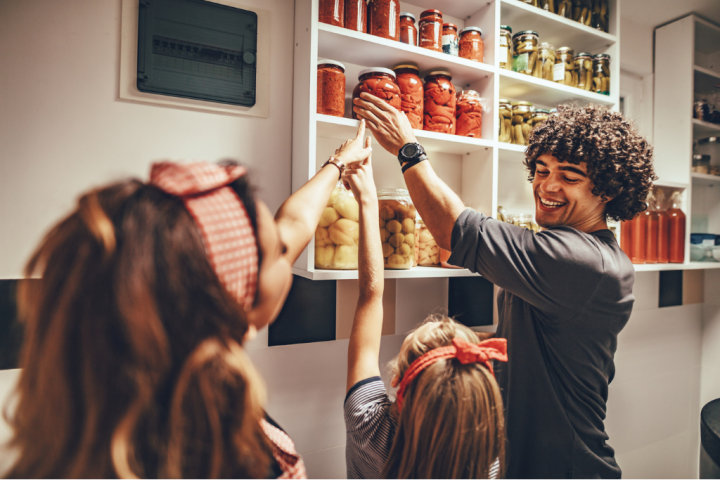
411, 93
380, 82
408, 30
521, 128
336, 237
565, 8
582, 12
427, 251
525, 45
330, 88
430, 30
397, 228
384, 18
546, 54
506, 47
450, 39
332, 12
468, 114
471, 44
356, 15
440, 101
564, 69
601, 73
584, 68
505, 114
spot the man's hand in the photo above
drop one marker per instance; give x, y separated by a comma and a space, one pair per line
390, 127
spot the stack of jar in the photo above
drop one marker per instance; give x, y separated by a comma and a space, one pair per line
518, 119
593, 13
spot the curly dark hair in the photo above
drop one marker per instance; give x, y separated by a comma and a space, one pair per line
619, 160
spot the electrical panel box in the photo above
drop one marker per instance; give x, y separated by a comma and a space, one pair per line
197, 49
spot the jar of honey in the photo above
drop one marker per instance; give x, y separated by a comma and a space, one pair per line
408, 30
384, 18
450, 39
380, 82
468, 114
332, 12
471, 45
411, 93
430, 30
439, 102
356, 15
330, 88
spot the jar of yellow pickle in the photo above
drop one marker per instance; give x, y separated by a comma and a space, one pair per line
582, 11
546, 63
539, 115
564, 69
505, 120
521, 128
565, 8
336, 237
525, 46
584, 69
427, 251
601, 73
397, 228
505, 55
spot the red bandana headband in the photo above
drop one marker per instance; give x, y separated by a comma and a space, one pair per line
226, 229
465, 352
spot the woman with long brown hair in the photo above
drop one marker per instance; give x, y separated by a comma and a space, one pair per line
133, 364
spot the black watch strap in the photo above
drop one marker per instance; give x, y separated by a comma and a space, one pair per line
412, 163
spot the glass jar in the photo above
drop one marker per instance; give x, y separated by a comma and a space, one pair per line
384, 18
547, 5
397, 228
584, 69
332, 12
505, 54
330, 87
546, 54
336, 237
505, 120
408, 30
439, 102
471, 45
521, 128
582, 11
380, 82
468, 114
534, 3
356, 15
450, 39
601, 73
565, 8
701, 110
430, 30
525, 46
427, 251
601, 15
411, 93
539, 115
564, 69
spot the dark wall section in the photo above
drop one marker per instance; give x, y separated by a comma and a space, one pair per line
470, 301
308, 314
10, 330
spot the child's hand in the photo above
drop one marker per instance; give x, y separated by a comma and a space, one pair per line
359, 177
355, 149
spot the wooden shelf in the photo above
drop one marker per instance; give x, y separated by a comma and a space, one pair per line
415, 272
519, 86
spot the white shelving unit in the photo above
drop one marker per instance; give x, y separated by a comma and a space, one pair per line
484, 172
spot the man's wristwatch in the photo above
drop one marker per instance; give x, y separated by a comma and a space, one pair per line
410, 155
333, 160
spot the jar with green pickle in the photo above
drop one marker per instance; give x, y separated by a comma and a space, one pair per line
564, 69
565, 8
601, 14
525, 46
584, 68
601, 73
546, 62
505, 55
539, 115
582, 11
521, 128
505, 120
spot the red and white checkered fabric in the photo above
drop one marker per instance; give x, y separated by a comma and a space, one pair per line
226, 229
283, 450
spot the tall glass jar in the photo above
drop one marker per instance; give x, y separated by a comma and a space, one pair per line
397, 228
440, 102
356, 15
525, 45
408, 30
380, 82
411, 93
564, 70
565, 8
332, 12
505, 118
546, 53
427, 251
539, 115
330, 87
582, 11
430, 30
601, 15
547, 5
336, 237
450, 39
505, 53
384, 18
521, 128
584, 68
468, 114
471, 45
601, 73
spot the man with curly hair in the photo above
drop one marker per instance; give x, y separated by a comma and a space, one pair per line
565, 292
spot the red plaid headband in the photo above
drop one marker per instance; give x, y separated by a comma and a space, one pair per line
465, 352
226, 229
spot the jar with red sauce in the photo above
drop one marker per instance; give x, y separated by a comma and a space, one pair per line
332, 12
471, 44
380, 82
384, 18
330, 87
450, 39
468, 114
439, 102
411, 93
430, 30
356, 15
408, 30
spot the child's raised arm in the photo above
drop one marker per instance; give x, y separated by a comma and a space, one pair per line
364, 347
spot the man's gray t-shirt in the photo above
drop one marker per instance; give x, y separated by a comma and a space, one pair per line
565, 295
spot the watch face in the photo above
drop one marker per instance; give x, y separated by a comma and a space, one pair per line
410, 150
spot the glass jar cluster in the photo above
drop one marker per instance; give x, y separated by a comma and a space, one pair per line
592, 13
517, 120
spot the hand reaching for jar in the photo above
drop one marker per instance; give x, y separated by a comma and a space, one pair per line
355, 149
390, 127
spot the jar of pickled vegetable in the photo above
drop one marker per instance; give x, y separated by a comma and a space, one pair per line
380, 82
564, 70
430, 30
505, 120
601, 73
336, 237
411, 93
384, 18
450, 39
330, 88
468, 114
582, 11
427, 251
439, 102
471, 45
356, 15
583, 67
332, 12
408, 30
546, 53
539, 115
565, 8
397, 228
525, 46
534, 3
601, 15
547, 5
505, 54
521, 128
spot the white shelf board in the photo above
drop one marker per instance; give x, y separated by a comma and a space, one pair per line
414, 272
705, 179
455, 8
658, 267
706, 80
703, 129
553, 28
342, 128
519, 86
372, 51
670, 184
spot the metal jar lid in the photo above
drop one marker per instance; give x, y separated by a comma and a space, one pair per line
327, 61
407, 14
386, 71
525, 32
568, 50
406, 66
438, 71
600, 56
430, 12
507, 28
583, 54
471, 29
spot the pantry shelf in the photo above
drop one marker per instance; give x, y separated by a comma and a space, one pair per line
415, 272
706, 80
704, 129
514, 85
658, 267
705, 179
